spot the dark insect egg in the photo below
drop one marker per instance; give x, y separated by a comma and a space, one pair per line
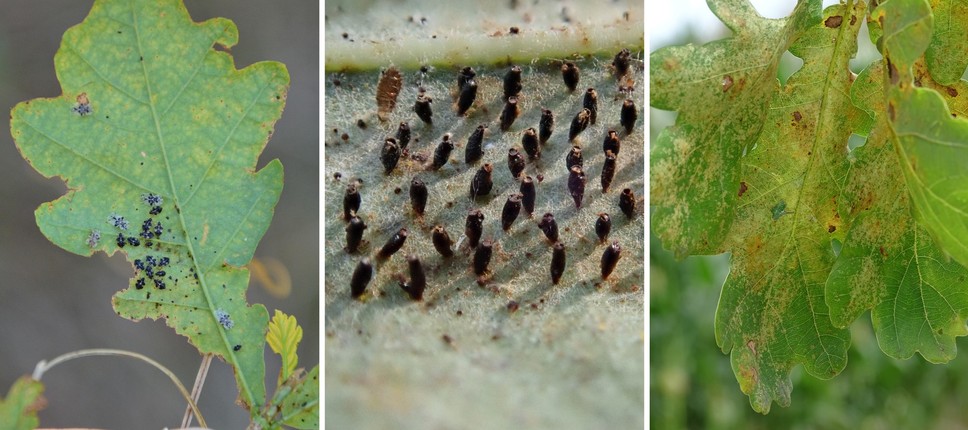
515, 162
608, 171
603, 226
628, 116
528, 195
482, 183
611, 142
474, 150
512, 82
512, 207
570, 74
576, 185
510, 113
621, 62
579, 124
530, 143
422, 108
442, 153
403, 135
361, 277
557, 262
610, 258
418, 195
393, 244
390, 155
351, 202
545, 126
466, 74
466, 98
482, 256
626, 202
573, 158
354, 234
418, 280
549, 227
441, 241
590, 102
474, 227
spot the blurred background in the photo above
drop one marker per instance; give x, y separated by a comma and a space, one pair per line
53, 302
691, 382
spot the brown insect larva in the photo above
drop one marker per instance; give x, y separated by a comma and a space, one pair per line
515, 162
394, 244
403, 135
574, 158
512, 207
361, 277
441, 241
570, 73
418, 195
545, 126
481, 184
603, 226
466, 98
354, 234
626, 202
482, 256
528, 195
610, 258
474, 227
611, 142
466, 74
390, 155
422, 108
418, 281
590, 102
576, 185
387, 90
557, 262
530, 143
629, 115
579, 124
608, 171
549, 227
512, 82
442, 153
474, 150
351, 202
509, 114
621, 62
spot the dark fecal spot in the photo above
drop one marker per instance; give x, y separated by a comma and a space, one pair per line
447, 339
883, 253
397, 190
797, 116
360, 123
513, 306
346, 36
952, 92
515, 30
337, 176
727, 82
831, 228
742, 188
834, 21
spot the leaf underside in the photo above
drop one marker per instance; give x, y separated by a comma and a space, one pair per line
153, 117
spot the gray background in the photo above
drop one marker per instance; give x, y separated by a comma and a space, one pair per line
53, 302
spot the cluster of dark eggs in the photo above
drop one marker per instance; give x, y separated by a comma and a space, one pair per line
533, 142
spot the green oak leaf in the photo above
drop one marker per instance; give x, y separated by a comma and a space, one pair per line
722, 91
18, 411
772, 315
947, 55
152, 115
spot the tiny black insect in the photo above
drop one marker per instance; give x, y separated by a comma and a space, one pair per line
361, 277
160, 273
93, 238
512, 207
629, 115
576, 185
590, 102
530, 143
418, 195
474, 227
138, 264
118, 221
579, 124
389, 155
354, 234
83, 105
393, 244
512, 82
140, 283
224, 319
621, 62
549, 227
159, 284
557, 262
611, 142
147, 234
466, 98
418, 281
608, 171
152, 199
626, 202
422, 108
158, 229
163, 262
441, 241
610, 258
475, 146
133, 241
570, 74
237, 348
149, 272
482, 183
482, 256
528, 195
573, 158
351, 202
515, 162
155, 210
150, 260
403, 135
545, 126
510, 113
442, 153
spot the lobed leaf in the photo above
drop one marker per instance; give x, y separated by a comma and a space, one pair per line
18, 411
283, 337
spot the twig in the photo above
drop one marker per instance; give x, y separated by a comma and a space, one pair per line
197, 388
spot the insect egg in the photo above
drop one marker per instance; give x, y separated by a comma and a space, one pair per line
579, 124
361, 277
510, 113
512, 207
573, 158
576, 185
611, 142
474, 150
465, 75
418, 196
590, 102
610, 258
418, 281
474, 227
441, 241
403, 135
466, 98
549, 227
603, 226
608, 171
422, 108
528, 195
621, 62
354, 234
393, 244
628, 115
570, 74
545, 126
515, 162
442, 153
512, 82
626, 202
482, 183
351, 202
557, 262
482, 256
530, 143
390, 155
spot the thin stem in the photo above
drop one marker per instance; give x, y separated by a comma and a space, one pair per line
197, 388
43, 366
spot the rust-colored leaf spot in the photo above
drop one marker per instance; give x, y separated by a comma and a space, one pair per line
834, 21
797, 116
831, 228
890, 110
883, 253
952, 92
853, 19
892, 72
727, 83
742, 188
387, 91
